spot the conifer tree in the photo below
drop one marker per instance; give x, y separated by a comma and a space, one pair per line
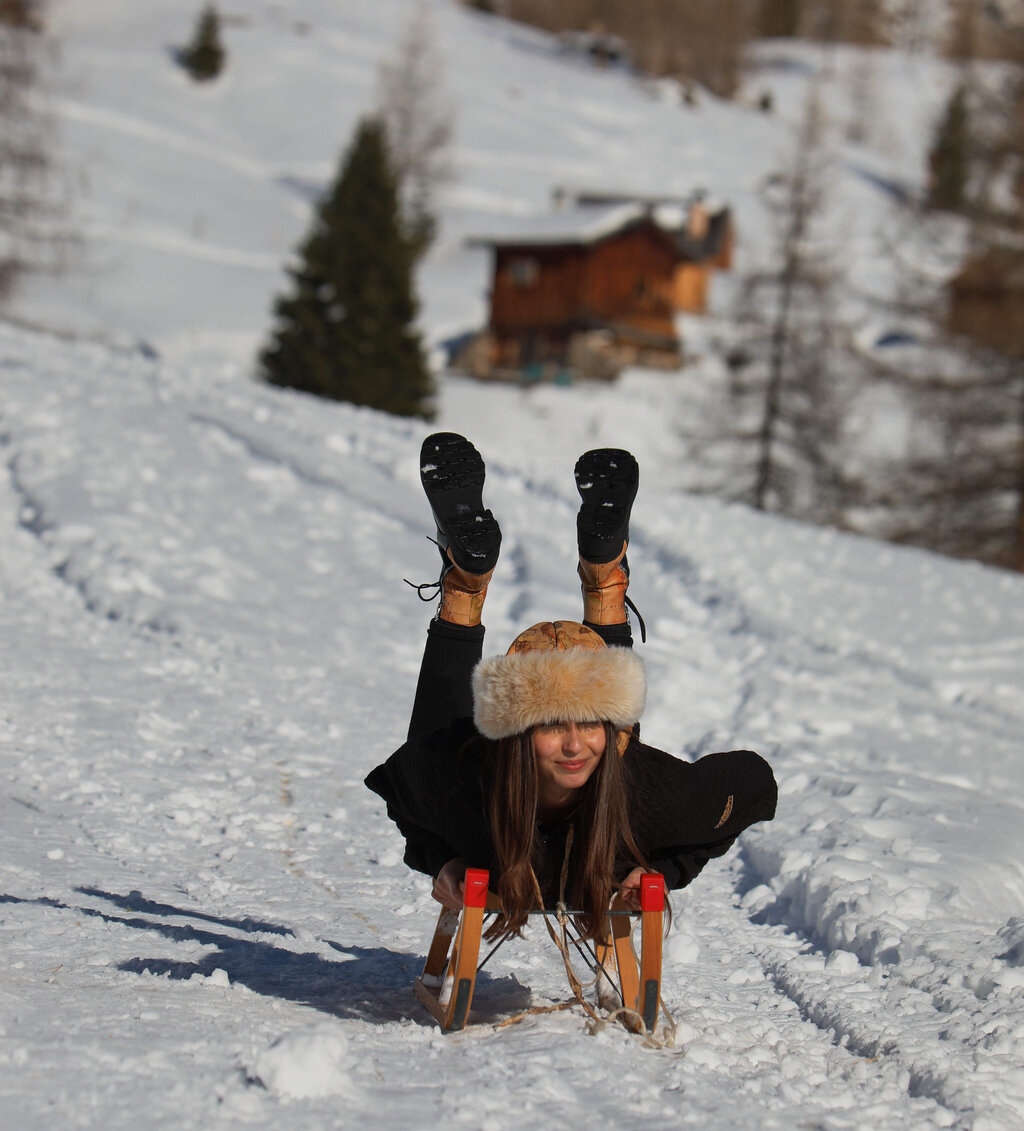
204, 57
948, 158
346, 331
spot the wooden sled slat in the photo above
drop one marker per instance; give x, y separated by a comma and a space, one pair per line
652, 910
616, 958
639, 987
446, 986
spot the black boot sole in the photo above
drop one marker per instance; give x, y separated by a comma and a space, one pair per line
607, 480
452, 473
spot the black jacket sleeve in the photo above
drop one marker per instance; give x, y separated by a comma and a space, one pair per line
425, 851
684, 814
682, 864
433, 794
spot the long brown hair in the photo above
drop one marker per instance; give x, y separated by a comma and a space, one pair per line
602, 838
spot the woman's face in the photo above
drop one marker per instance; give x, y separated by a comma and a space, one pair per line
567, 755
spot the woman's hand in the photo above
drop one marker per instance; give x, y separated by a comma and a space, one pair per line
450, 884
629, 889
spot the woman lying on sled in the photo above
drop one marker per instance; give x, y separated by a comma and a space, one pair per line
530, 764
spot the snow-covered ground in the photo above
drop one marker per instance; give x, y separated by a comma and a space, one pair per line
207, 643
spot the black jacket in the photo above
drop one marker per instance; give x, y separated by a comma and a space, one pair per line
681, 813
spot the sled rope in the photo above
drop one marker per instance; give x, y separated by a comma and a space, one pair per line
537, 1009
561, 940
667, 1040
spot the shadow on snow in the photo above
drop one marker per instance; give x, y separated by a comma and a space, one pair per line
367, 983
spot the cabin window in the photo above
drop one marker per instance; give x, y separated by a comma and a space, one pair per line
523, 271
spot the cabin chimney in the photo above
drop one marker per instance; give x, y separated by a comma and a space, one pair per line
697, 219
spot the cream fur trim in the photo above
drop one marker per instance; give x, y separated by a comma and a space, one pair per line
513, 693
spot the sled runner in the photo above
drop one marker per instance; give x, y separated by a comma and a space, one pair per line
449, 974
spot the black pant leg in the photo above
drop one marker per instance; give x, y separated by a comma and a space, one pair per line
614, 635
444, 691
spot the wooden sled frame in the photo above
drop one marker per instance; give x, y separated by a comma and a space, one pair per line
446, 985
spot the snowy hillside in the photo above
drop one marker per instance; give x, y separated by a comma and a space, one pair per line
190, 198
207, 643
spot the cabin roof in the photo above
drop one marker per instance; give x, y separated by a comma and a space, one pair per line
590, 197
572, 227
598, 219
670, 211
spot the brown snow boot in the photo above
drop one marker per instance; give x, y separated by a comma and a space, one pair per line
604, 590
462, 595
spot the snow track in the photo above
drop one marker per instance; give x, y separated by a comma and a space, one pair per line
204, 913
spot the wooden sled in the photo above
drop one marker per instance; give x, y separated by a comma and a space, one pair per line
449, 974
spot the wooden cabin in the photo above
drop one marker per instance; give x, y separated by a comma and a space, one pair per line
590, 290
704, 235
986, 300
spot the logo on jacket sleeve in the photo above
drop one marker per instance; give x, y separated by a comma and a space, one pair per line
726, 813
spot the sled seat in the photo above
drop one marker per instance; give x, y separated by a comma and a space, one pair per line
449, 973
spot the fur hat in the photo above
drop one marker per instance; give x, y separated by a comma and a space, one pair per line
555, 672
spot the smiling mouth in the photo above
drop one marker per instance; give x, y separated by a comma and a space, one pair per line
571, 766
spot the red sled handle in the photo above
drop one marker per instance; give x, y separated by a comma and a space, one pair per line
475, 890
652, 892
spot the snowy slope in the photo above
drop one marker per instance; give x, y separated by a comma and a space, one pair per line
205, 915
190, 198
207, 643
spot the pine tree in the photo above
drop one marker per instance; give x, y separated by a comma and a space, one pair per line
948, 158
346, 331
204, 57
